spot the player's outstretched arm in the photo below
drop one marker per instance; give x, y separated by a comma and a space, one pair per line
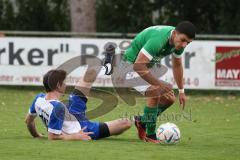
29, 120
178, 76
76, 136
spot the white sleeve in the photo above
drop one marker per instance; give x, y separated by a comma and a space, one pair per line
147, 54
176, 56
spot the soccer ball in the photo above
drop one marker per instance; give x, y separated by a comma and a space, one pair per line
168, 133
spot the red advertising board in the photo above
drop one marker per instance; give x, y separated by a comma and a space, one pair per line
227, 71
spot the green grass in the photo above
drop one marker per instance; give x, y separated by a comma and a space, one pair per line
209, 127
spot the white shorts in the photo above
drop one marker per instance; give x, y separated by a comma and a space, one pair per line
125, 76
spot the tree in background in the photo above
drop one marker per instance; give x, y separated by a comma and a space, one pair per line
83, 15
123, 16
7, 19
229, 17
210, 17
204, 14
43, 15
35, 15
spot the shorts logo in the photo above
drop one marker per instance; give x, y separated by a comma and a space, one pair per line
227, 71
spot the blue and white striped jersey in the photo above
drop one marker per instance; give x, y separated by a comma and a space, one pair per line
55, 115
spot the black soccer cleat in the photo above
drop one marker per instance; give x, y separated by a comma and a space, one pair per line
109, 57
152, 136
152, 139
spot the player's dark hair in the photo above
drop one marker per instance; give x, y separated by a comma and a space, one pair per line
187, 28
52, 78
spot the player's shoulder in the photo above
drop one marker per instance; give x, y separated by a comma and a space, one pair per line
158, 33
36, 102
40, 100
57, 105
59, 108
39, 96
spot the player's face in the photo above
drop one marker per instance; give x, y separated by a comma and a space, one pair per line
181, 40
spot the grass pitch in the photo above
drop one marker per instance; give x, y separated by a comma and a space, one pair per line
209, 129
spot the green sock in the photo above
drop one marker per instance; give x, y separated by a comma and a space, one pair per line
161, 109
149, 118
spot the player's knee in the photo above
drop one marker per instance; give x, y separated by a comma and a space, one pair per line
152, 91
167, 99
171, 100
152, 101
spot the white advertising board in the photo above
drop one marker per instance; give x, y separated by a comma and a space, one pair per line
207, 64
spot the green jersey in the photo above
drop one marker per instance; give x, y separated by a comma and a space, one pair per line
154, 43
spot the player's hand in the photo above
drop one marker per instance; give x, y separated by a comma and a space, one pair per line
182, 100
84, 135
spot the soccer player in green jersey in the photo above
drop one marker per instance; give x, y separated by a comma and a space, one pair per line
146, 50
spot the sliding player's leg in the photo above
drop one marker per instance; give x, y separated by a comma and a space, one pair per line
118, 126
78, 99
106, 129
94, 68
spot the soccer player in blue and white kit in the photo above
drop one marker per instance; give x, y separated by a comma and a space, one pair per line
68, 122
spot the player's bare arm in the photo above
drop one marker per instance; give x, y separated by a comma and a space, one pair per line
29, 120
178, 76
